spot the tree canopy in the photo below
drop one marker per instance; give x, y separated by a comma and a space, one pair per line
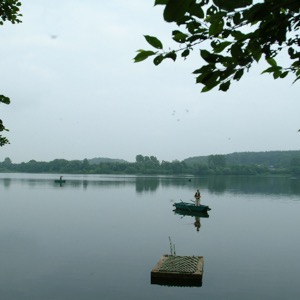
9, 11
285, 163
231, 35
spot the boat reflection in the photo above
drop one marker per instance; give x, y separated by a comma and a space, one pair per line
201, 214
197, 215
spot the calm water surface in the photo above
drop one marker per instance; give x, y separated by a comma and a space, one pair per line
98, 237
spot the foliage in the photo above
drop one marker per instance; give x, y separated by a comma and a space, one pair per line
97, 160
295, 165
231, 36
9, 11
269, 159
3, 140
245, 164
217, 161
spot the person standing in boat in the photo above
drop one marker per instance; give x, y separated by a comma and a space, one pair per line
197, 198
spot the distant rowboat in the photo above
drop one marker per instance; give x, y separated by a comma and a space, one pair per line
59, 181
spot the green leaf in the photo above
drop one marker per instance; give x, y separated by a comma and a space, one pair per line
238, 75
257, 55
179, 36
211, 79
142, 55
205, 54
185, 53
225, 74
231, 5
200, 78
197, 37
284, 74
161, 2
4, 99
296, 79
176, 9
272, 62
205, 89
203, 69
208, 57
268, 70
171, 55
208, 88
254, 48
196, 10
192, 27
224, 86
158, 59
212, 10
236, 51
238, 35
221, 46
237, 18
271, 69
276, 74
153, 41
216, 27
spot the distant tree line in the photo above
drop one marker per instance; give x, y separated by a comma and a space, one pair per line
150, 165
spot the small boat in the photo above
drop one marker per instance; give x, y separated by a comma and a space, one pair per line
190, 207
59, 181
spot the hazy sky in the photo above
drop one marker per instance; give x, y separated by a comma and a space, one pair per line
76, 93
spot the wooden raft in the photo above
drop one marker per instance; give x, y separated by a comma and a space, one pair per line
178, 271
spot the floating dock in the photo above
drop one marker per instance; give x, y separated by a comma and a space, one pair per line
174, 270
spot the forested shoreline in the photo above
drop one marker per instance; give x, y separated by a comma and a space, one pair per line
246, 163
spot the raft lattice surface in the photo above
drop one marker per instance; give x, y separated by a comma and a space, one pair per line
179, 264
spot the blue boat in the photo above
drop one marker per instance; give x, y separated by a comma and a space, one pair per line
191, 207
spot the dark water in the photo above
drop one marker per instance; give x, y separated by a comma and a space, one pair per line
98, 237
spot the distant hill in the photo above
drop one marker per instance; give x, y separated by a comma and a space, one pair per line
196, 160
267, 158
98, 160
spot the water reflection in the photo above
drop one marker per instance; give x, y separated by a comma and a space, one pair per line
217, 184
6, 182
195, 215
213, 184
71, 242
145, 185
295, 186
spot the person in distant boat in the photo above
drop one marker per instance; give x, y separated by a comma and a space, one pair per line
197, 198
60, 178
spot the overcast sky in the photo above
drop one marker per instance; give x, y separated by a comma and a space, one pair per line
76, 93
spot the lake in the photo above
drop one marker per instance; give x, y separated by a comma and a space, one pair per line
99, 237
